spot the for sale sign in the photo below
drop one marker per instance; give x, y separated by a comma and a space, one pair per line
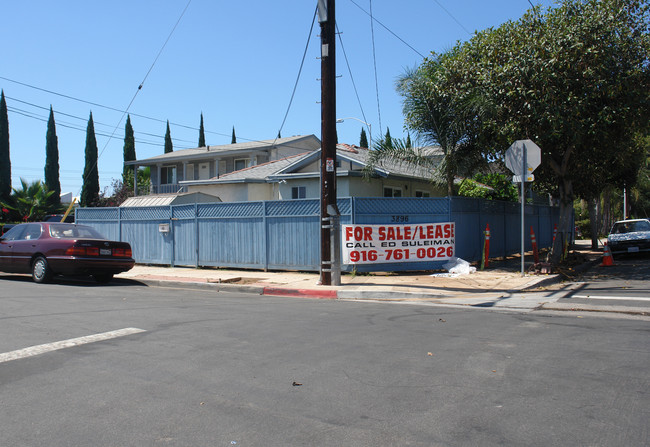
374, 244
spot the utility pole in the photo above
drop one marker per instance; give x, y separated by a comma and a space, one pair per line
327, 22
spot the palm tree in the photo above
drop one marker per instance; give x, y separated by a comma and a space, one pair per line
30, 202
437, 118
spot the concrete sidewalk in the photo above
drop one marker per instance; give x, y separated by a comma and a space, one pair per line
502, 278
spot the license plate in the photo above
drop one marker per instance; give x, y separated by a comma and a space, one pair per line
632, 249
105, 251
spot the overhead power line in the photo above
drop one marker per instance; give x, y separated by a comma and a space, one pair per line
159, 120
453, 18
374, 61
302, 63
83, 119
388, 29
354, 85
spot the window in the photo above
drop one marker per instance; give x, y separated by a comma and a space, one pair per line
419, 193
298, 192
167, 175
33, 231
189, 172
389, 191
241, 163
14, 234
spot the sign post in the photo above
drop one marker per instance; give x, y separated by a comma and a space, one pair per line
522, 157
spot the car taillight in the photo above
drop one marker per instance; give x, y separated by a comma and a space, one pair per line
122, 252
82, 251
76, 251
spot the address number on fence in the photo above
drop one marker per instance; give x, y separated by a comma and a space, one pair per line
368, 244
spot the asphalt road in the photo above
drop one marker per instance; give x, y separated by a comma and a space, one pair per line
627, 283
233, 369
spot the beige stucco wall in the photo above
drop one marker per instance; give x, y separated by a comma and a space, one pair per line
345, 187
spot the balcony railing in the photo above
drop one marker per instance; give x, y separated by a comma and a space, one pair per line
170, 188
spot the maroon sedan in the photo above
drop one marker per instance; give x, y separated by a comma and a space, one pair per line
45, 249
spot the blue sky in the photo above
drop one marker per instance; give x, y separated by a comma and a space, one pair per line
234, 61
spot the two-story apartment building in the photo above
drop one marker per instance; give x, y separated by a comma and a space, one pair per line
298, 177
203, 163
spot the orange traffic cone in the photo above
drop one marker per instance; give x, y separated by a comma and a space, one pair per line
608, 260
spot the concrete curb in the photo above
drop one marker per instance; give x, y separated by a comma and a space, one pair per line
387, 295
303, 293
200, 285
333, 294
573, 307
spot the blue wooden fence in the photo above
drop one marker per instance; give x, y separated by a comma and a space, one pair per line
284, 235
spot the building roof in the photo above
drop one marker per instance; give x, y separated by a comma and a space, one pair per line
258, 173
169, 199
201, 153
289, 166
361, 156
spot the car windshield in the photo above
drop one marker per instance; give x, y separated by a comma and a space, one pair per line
630, 227
71, 231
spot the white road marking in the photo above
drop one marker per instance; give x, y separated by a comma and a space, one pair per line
49, 347
623, 298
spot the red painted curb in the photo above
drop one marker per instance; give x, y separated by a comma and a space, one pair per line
307, 293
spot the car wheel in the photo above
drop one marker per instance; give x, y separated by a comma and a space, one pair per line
41, 272
103, 278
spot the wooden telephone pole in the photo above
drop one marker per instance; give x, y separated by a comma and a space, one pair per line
327, 22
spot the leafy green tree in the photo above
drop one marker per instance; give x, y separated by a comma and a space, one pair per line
31, 202
169, 146
201, 133
576, 81
90, 187
363, 139
5, 160
129, 149
233, 140
500, 187
52, 182
640, 194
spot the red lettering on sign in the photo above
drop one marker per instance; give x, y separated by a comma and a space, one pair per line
449, 231
358, 233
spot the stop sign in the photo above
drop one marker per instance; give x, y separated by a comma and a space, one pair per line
515, 157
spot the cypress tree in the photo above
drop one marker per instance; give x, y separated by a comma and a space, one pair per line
388, 141
5, 160
129, 150
279, 136
90, 188
363, 140
169, 147
52, 182
234, 138
201, 133
408, 141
